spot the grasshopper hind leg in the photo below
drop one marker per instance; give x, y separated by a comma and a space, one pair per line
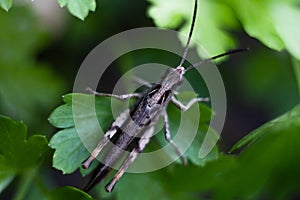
102, 172
130, 158
107, 136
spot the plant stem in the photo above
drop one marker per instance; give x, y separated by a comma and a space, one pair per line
24, 184
296, 66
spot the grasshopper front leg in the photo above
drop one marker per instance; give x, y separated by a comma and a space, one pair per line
121, 96
183, 107
169, 140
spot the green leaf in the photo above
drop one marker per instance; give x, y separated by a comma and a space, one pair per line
287, 26
15, 148
17, 153
6, 4
79, 8
274, 23
257, 21
68, 144
68, 192
288, 119
69, 150
62, 116
270, 165
212, 22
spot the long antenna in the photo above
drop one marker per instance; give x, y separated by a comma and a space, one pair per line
190, 34
197, 64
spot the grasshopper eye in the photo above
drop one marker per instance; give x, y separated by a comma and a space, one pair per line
180, 70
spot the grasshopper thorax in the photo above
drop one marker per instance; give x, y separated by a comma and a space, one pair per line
172, 78
163, 90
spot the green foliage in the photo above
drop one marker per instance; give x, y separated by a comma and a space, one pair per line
70, 151
70, 192
296, 66
266, 161
79, 8
15, 49
6, 4
268, 167
289, 120
15, 148
37, 191
273, 150
259, 83
21, 156
267, 151
274, 23
210, 23
17, 154
20, 40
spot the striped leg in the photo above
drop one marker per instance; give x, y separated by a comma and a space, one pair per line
170, 141
130, 158
107, 136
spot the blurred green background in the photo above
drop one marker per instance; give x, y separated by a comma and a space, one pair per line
42, 47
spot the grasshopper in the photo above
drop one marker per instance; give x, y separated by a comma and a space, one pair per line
132, 129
